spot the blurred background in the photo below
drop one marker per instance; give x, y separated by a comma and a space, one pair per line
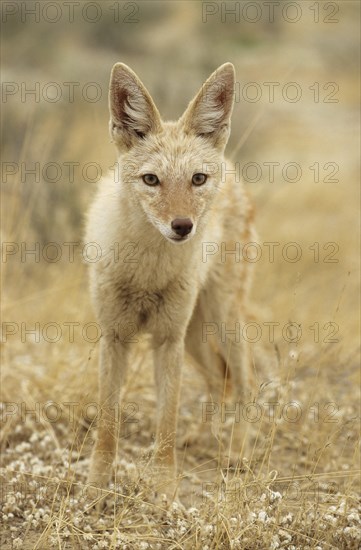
296, 113
294, 135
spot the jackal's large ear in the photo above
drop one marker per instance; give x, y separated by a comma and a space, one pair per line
133, 114
209, 113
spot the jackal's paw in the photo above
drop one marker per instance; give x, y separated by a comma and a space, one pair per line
98, 481
170, 503
96, 495
164, 483
236, 455
166, 495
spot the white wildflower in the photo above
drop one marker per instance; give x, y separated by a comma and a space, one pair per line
341, 508
262, 516
175, 506
353, 532
287, 519
275, 543
275, 496
285, 535
330, 519
354, 517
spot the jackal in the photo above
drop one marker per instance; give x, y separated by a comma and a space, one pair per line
178, 200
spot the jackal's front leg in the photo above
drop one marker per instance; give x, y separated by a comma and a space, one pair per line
112, 369
168, 364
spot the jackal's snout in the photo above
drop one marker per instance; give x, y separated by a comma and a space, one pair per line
182, 226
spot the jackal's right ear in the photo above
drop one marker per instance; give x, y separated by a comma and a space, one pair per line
133, 114
209, 113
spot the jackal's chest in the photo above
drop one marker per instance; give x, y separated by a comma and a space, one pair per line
139, 305
151, 295
147, 308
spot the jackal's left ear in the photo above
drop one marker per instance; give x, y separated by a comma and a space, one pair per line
209, 113
133, 114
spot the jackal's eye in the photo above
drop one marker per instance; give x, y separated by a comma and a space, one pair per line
150, 179
199, 179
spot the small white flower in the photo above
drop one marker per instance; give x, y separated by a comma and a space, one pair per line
34, 437
274, 496
275, 543
341, 508
287, 519
353, 532
262, 516
285, 535
354, 517
330, 519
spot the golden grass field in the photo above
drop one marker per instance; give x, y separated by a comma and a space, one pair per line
299, 488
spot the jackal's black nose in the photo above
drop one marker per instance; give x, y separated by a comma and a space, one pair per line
182, 226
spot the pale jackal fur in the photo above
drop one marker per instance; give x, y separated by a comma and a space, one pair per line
178, 201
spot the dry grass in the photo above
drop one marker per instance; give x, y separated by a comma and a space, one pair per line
299, 487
